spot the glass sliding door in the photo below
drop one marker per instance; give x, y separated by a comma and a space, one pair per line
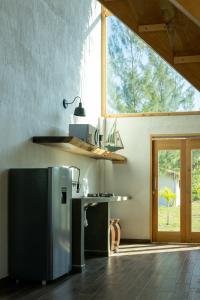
168, 188
193, 187
176, 189
195, 192
169, 201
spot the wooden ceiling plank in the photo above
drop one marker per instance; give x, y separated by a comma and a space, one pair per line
187, 59
133, 10
184, 34
152, 28
119, 9
158, 40
191, 8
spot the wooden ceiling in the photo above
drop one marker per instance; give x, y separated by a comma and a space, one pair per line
170, 27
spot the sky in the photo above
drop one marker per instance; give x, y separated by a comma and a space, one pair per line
145, 61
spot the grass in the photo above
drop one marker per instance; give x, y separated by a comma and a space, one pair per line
174, 218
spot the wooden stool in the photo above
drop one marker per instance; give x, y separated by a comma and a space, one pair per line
115, 234
112, 235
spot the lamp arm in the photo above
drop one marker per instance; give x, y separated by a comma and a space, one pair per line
65, 103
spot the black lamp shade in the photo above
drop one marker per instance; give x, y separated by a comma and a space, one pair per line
79, 111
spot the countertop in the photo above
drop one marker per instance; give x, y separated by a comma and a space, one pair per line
88, 200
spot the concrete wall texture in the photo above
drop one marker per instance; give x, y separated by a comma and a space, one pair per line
49, 50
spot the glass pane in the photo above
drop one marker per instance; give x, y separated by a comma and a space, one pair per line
138, 80
169, 190
195, 197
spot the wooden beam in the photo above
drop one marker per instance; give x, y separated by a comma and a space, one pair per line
152, 28
103, 60
105, 12
187, 59
168, 13
133, 10
191, 8
158, 40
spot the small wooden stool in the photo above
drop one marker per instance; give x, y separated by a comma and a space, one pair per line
115, 234
112, 235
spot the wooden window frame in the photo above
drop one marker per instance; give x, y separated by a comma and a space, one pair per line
104, 14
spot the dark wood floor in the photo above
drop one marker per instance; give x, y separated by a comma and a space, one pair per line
137, 272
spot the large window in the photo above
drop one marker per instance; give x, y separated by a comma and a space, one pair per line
137, 80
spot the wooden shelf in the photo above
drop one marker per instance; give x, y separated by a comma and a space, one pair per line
77, 146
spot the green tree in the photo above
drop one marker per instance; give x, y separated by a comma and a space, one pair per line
138, 80
169, 197
195, 175
169, 165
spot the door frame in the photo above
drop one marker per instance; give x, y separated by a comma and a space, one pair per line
192, 236
186, 207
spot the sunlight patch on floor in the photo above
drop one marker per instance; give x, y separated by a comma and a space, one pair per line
138, 249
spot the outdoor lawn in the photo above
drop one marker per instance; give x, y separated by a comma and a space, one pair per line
174, 218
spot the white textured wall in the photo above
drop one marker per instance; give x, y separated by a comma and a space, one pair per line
49, 49
134, 177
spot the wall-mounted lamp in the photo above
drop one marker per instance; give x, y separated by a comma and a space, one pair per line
79, 110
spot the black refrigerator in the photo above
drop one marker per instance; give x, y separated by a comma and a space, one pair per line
40, 223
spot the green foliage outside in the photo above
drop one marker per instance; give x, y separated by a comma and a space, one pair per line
169, 165
174, 215
195, 174
169, 197
138, 80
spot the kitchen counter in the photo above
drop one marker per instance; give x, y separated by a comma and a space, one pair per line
88, 200
93, 239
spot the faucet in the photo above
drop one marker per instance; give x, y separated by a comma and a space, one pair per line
78, 181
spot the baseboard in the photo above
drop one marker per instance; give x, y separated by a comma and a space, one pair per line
103, 253
135, 241
4, 281
78, 268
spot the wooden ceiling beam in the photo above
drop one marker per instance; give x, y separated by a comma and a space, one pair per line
106, 12
187, 59
134, 13
191, 8
152, 27
119, 9
158, 40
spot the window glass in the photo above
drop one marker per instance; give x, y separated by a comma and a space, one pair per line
169, 201
138, 80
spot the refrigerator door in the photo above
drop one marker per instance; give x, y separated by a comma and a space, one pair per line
60, 179
28, 218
